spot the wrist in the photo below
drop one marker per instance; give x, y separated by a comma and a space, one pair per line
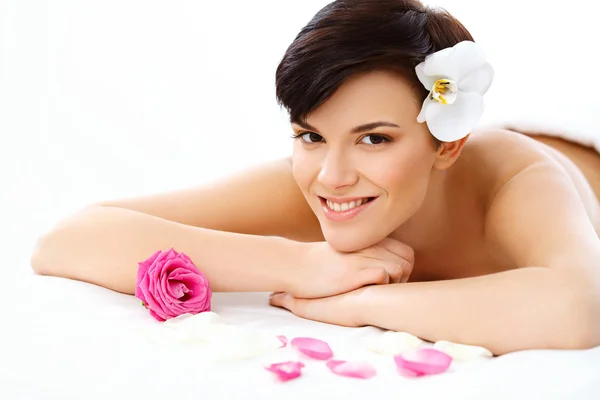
362, 307
292, 264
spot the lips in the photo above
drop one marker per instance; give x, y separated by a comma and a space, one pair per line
346, 205
341, 210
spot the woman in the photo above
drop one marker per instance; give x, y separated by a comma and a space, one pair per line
392, 211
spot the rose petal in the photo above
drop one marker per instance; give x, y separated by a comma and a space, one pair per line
425, 361
158, 317
462, 352
409, 374
287, 370
177, 289
392, 343
352, 369
198, 297
450, 122
163, 297
313, 348
166, 255
169, 284
334, 363
283, 339
142, 272
186, 259
195, 284
155, 307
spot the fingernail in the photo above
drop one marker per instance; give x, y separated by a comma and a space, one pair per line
274, 294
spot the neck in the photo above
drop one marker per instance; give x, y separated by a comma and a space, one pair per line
427, 228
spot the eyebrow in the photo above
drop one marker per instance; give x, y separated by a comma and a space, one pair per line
358, 129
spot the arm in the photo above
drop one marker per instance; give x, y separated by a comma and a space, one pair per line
262, 200
528, 308
246, 234
103, 245
551, 301
218, 226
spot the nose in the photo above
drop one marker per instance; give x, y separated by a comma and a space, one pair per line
337, 171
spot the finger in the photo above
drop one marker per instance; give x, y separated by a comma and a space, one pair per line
407, 269
393, 270
399, 249
322, 310
371, 276
298, 307
282, 299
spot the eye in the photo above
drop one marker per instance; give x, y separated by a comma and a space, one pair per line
309, 137
375, 139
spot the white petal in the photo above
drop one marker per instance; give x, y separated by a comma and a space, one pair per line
200, 319
391, 343
243, 344
462, 352
421, 116
202, 327
478, 81
219, 341
427, 80
455, 62
450, 122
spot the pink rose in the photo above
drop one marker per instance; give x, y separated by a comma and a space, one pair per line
169, 284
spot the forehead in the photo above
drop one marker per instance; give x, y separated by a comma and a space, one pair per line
379, 95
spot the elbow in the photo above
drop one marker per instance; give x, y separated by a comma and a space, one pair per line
49, 246
583, 336
39, 256
588, 329
580, 322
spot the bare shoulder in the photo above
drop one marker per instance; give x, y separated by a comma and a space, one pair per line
500, 155
261, 200
506, 156
535, 212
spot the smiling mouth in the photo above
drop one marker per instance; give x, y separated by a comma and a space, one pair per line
346, 206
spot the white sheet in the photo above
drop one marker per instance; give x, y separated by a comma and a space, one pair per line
66, 340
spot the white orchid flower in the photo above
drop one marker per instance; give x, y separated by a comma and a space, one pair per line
457, 78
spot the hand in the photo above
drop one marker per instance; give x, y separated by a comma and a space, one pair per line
324, 271
344, 309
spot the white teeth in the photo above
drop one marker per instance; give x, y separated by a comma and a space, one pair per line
345, 206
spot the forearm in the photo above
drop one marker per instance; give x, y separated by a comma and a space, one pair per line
103, 245
520, 309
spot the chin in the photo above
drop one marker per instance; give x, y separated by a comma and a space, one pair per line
350, 241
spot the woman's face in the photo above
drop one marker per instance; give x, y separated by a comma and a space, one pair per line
364, 145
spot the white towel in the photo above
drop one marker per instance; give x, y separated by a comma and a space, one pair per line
572, 120
546, 87
581, 132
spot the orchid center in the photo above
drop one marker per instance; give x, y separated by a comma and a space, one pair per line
444, 91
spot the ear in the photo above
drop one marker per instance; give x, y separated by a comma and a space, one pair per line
448, 153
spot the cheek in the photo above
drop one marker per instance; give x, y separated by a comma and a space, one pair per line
401, 172
301, 170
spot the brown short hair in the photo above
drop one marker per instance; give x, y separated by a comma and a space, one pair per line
348, 37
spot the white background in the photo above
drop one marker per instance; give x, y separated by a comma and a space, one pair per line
117, 98
114, 98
